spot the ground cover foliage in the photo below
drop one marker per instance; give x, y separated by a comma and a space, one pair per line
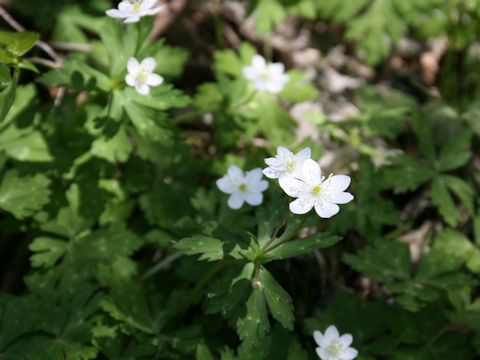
117, 243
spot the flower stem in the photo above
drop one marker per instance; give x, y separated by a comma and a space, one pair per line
139, 38
247, 99
203, 281
288, 238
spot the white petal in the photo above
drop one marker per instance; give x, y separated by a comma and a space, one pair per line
258, 62
340, 198
259, 186
270, 173
254, 175
148, 64
303, 155
225, 185
284, 79
271, 161
331, 333
132, 19
126, 7
317, 336
283, 152
155, 11
276, 69
114, 13
260, 84
274, 87
311, 171
130, 80
322, 354
254, 198
337, 183
142, 88
346, 340
302, 205
292, 186
235, 174
249, 72
154, 80
348, 354
148, 4
235, 201
132, 65
326, 210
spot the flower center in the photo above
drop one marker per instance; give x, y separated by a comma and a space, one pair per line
242, 187
334, 348
142, 75
316, 191
136, 7
265, 75
291, 165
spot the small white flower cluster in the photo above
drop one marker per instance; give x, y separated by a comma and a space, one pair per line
141, 76
301, 177
133, 10
332, 346
298, 175
265, 76
243, 187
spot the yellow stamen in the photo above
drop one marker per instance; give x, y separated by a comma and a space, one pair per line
243, 187
291, 165
137, 8
317, 189
142, 75
334, 348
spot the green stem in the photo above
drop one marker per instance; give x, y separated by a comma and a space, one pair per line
187, 116
284, 222
203, 281
139, 39
288, 238
168, 260
247, 99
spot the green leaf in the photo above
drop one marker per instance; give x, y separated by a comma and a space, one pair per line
27, 65
234, 292
16, 319
455, 153
270, 14
5, 77
161, 97
302, 246
7, 96
297, 89
406, 174
253, 327
23, 196
387, 260
444, 202
19, 43
69, 223
24, 144
219, 245
203, 353
279, 302
47, 251
462, 189
208, 97
228, 62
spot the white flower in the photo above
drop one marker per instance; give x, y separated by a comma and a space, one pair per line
312, 190
266, 77
332, 346
141, 76
133, 10
242, 187
285, 163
